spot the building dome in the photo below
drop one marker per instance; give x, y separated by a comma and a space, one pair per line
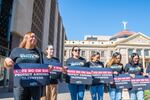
122, 34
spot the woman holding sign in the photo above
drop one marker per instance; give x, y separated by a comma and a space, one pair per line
76, 90
117, 68
25, 53
51, 89
135, 68
97, 89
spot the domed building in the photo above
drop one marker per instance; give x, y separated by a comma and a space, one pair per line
126, 42
121, 35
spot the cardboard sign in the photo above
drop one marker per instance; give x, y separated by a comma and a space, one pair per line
140, 83
123, 81
28, 75
79, 75
101, 75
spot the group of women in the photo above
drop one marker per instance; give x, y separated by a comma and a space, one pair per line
27, 52
134, 67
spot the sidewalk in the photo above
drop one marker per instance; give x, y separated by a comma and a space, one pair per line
5, 95
63, 94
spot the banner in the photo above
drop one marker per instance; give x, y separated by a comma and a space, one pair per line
57, 70
27, 74
140, 83
79, 75
102, 75
123, 81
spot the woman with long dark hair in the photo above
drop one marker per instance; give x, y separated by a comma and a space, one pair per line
76, 90
135, 68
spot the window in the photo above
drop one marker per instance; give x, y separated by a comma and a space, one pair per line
146, 52
65, 53
102, 53
112, 53
5, 19
130, 51
83, 53
139, 52
38, 20
1, 68
92, 52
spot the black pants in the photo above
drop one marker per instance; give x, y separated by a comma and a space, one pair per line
27, 93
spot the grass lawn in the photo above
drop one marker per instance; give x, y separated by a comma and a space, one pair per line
147, 95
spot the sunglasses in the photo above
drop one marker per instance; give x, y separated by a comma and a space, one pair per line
76, 50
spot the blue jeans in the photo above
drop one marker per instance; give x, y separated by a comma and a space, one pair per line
27, 93
97, 92
76, 91
115, 94
136, 95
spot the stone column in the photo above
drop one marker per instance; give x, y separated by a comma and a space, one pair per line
127, 56
143, 60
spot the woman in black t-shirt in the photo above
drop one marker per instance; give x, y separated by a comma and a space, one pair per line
25, 53
135, 68
117, 68
76, 90
96, 89
51, 89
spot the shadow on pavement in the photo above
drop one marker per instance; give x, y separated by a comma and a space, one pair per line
4, 93
63, 88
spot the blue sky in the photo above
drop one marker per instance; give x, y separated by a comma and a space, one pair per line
104, 17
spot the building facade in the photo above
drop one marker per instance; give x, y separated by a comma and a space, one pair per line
39, 16
125, 42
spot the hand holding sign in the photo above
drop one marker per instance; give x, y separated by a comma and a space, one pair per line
115, 72
132, 75
50, 67
64, 69
8, 62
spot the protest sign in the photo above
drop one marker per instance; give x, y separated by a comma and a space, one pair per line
27, 74
140, 83
79, 75
123, 81
102, 75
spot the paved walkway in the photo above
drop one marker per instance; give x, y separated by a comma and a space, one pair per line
63, 94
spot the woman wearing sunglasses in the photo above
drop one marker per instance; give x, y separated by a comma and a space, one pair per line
117, 68
76, 90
